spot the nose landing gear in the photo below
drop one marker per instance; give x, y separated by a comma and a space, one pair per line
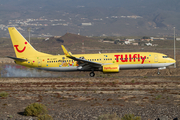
161, 68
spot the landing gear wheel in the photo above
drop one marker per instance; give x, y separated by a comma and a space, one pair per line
158, 72
92, 74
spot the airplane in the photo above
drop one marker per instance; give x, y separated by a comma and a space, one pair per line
27, 56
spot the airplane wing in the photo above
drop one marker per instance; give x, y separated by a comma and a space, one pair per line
18, 59
81, 61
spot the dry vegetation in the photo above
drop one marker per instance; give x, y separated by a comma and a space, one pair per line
69, 94
76, 96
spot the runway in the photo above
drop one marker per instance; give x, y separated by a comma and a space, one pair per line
77, 96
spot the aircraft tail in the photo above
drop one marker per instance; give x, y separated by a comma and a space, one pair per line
22, 47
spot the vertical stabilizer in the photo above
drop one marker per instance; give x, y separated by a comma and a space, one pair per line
22, 47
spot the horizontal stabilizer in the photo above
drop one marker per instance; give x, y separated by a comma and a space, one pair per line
18, 59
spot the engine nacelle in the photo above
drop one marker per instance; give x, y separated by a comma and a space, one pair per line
112, 68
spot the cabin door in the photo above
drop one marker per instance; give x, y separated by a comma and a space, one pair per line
155, 58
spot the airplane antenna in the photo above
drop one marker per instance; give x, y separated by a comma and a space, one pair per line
29, 30
174, 48
83, 47
79, 32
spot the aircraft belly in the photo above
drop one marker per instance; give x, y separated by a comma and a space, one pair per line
131, 66
60, 69
145, 66
158, 65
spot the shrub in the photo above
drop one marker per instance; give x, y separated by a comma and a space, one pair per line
158, 97
3, 94
35, 109
109, 117
45, 117
130, 117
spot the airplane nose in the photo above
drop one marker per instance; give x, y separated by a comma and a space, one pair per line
173, 61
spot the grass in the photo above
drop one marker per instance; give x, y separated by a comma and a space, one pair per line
115, 82
44, 117
130, 117
109, 117
4, 94
133, 81
10, 116
114, 116
158, 97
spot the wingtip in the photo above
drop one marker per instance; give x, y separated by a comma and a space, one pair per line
64, 50
11, 28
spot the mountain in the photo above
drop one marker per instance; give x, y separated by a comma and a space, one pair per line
115, 17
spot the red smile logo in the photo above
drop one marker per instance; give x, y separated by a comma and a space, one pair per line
20, 51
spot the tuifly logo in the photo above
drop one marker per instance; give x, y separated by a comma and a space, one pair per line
110, 68
20, 51
130, 58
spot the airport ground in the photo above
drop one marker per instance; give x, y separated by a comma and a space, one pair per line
76, 96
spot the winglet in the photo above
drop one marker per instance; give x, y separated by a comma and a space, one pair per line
68, 54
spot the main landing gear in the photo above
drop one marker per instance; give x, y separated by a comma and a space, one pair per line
92, 74
158, 72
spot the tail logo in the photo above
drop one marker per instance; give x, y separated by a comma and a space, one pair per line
20, 51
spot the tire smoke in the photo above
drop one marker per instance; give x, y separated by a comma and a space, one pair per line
20, 71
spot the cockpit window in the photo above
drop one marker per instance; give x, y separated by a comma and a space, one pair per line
165, 56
